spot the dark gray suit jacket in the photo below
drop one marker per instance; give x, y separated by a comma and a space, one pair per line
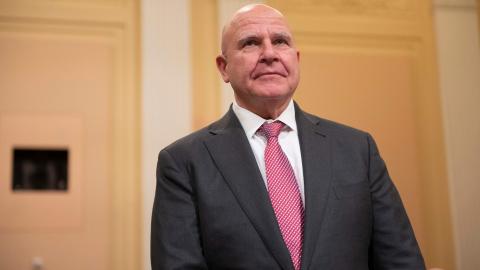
212, 209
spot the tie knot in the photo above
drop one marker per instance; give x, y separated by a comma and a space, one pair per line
271, 130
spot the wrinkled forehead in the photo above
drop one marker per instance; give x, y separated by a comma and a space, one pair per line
259, 24
255, 26
258, 20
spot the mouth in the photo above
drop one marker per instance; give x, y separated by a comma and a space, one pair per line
268, 74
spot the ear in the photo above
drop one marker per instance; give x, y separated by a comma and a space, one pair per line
222, 67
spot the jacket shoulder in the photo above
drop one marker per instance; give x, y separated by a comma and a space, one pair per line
335, 129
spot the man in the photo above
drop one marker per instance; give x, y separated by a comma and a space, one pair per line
269, 186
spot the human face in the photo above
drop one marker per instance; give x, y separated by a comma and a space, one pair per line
259, 59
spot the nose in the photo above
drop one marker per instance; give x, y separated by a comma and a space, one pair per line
268, 55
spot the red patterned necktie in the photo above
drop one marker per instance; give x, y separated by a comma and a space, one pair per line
283, 191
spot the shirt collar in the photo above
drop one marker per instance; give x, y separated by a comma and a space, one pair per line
252, 122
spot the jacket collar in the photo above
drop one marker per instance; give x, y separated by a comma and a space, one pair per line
233, 155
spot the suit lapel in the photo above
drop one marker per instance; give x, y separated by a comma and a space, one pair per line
316, 161
231, 151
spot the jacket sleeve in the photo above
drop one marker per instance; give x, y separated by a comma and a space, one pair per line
175, 238
393, 243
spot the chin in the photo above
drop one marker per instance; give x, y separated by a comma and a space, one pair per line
274, 92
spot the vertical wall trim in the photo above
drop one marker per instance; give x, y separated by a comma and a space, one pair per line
459, 65
166, 90
126, 202
204, 48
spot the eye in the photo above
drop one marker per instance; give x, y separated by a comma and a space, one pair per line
250, 42
280, 41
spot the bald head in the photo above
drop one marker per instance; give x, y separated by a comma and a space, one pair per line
246, 13
259, 60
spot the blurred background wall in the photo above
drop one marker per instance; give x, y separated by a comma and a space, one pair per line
70, 79
114, 81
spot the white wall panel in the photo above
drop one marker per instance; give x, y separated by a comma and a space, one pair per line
458, 46
166, 90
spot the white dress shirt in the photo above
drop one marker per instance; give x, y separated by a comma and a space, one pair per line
288, 140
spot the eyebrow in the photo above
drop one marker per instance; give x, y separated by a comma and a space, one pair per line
245, 38
283, 35
276, 35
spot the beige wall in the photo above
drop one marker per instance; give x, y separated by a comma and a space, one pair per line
459, 64
69, 79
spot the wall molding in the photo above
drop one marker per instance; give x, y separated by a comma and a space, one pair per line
116, 24
456, 4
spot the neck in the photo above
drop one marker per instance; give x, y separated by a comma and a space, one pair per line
268, 109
